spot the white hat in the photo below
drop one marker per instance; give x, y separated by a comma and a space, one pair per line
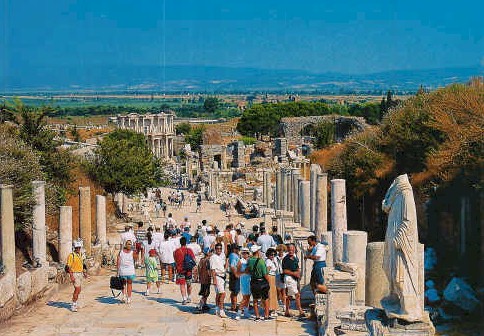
77, 243
254, 248
244, 249
220, 234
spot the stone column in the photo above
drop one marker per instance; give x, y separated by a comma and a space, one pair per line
101, 219
304, 206
290, 189
338, 217
321, 211
39, 235
8, 229
223, 158
277, 200
267, 188
65, 232
85, 217
327, 237
296, 177
284, 185
315, 169
354, 251
377, 286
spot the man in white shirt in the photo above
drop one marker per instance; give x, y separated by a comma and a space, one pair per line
217, 267
209, 239
170, 222
317, 253
165, 251
197, 250
185, 224
265, 241
128, 235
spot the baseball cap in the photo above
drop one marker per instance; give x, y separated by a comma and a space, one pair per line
206, 250
77, 244
244, 249
254, 248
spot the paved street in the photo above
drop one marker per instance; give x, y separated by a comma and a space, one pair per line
158, 314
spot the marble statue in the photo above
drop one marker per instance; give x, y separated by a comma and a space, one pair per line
400, 260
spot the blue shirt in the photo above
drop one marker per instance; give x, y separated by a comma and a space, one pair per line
187, 236
233, 260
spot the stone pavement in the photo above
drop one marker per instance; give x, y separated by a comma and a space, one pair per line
158, 314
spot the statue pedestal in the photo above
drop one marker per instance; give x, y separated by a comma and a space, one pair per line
379, 325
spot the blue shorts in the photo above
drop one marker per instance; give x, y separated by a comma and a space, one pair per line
317, 273
128, 277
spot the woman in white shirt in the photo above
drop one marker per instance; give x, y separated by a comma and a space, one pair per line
125, 266
271, 271
280, 285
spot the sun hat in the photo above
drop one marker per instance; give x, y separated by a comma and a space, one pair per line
254, 248
244, 250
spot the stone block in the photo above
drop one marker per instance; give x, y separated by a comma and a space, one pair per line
7, 309
7, 289
353, 318
39, 281
24, 287
379, 325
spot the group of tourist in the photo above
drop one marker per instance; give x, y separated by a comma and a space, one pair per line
253, 264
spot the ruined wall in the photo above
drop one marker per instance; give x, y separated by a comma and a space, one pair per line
291, 127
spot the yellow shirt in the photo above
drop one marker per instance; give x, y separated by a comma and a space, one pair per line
74, 261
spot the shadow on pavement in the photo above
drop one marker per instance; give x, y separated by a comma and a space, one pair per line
174, 303
107, 300
59, 304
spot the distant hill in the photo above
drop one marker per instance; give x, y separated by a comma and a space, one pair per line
222, 79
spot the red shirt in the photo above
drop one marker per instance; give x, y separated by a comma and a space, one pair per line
179, 255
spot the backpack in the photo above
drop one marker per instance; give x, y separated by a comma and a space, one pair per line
188, 262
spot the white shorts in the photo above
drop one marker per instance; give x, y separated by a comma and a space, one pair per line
291, 285
220, 287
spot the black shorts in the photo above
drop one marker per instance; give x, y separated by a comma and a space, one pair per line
259, 289
234, 284
204, 290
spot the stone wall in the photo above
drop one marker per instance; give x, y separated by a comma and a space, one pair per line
291, 127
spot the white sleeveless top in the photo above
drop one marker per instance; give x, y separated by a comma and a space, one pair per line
126, 263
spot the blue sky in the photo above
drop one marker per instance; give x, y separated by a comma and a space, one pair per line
318, 35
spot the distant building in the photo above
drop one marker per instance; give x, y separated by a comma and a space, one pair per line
158, 129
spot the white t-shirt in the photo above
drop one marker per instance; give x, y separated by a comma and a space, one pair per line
166, 250
271, 267
170, 222
265, 241
175, 241
158, 237
208, 240
217, 263
319, 250
241, 240
126, 263
195, 248
185, 224
147, 247
125, 236
233, 234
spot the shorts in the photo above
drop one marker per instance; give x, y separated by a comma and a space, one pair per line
317, 273
182, 279
245, 284
153, 278
234, 284
220, 287
204, 290
291, 285
78, 276
128, 277
259, 292
165, 265
280, 282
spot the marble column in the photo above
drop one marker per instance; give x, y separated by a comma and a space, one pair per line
304, 191
101, 219
377, 286
284, 185
85, 217
321, 211
8, 229
267, 188
296, 177
338, 217
277, 200
39, 234
290, 190
327, 237
354, 251
315, 169
65, 232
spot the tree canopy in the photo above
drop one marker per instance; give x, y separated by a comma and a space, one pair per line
124, 163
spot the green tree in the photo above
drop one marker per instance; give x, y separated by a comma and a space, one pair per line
211, 104
183, 128
124, 163
195, 137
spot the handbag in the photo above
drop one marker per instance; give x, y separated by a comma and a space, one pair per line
116, 283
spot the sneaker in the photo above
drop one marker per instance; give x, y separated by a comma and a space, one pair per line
222, 314
237, 317
128, 300
273, 314
257, 319
189, 300
158, 291
184, 302
74, 307
147, 293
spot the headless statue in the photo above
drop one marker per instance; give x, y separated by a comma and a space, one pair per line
400, 260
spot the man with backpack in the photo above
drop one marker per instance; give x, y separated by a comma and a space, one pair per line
77, 271
185, 262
